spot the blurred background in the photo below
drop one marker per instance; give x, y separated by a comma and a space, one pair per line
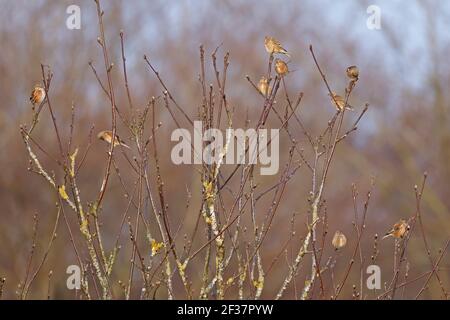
404, 76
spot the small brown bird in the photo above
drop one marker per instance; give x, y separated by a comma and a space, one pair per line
263, 86
107, 136
281, 67
353, 73
37, 95
339, 240
339, 102
399, 230
273, 46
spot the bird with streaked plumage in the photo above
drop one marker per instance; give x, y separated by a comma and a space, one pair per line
339, 102
353, 73
399, 230
107, 137
263, 86
272, 46
281, 67
339, 240
37, 95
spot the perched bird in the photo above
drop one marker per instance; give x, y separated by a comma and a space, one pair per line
339, 102
107, 136
353, 73
263, 86
281, 67
273, 46
37, 95
339, 240
399, 230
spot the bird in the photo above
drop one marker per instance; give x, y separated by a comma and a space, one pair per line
37, 95
339, 102
339, 240
107, 136
263, 86
281, 67
273, 46
399, 230
353, 73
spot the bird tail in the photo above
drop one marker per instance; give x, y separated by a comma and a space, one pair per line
387, 235
124, 145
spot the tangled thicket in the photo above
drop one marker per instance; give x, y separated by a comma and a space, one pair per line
220, 252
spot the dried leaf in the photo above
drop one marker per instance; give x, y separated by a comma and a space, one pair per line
62, 192
156, 246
